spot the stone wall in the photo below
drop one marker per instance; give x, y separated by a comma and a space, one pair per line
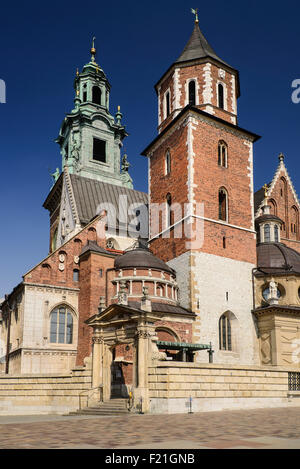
217, 387
44, 393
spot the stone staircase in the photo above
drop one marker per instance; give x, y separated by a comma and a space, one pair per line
118, 406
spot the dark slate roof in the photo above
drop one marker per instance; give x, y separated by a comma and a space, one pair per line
163, 308
277, 258
268, 217
198, 48
89, 194
189, 108
143, 258
258, 198
94, 247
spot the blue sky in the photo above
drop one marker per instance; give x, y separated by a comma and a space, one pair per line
42, 44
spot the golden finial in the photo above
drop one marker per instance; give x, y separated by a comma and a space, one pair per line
119, 108
195, 12
77, 72
93, 50
266, 188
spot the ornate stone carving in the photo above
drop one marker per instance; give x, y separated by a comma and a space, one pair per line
265, 349
143, 335
98, 340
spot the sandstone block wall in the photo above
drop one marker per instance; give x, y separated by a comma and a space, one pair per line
216, 387
44, 393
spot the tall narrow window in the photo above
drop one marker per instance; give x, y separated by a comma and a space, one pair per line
61, 326
66, 151
76, 275
225, 333
192, 92
267, 233
276, 233
99, 150
167, 104
96, 95
220, 96
222, 154
224, 242
223, 203
84, 94
169, 203
168, 163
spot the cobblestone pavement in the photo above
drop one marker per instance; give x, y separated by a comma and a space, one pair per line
256, 429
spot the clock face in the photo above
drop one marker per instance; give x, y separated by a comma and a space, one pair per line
76, 259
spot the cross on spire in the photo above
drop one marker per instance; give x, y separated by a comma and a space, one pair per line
266, 188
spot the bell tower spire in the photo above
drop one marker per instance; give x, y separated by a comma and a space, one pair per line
199, 77
90, 137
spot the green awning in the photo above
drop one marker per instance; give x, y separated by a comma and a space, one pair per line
181, 346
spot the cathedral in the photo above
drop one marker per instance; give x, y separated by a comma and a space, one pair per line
189, 291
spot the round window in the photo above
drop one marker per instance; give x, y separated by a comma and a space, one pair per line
266, 293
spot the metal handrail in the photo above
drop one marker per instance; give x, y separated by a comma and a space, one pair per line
100, 387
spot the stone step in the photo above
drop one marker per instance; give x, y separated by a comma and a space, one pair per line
111, 407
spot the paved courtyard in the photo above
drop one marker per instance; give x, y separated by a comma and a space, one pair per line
256, 429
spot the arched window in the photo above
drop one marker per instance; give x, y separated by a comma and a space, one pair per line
169, 203
54, 240
167, 97
96, 95
294, 220
220, 96
276, 234
192, 92
46, 272
75, 275
168, 163
61, 326
222, 154
84, 94
225, 339
223, 205
273, 206
267, 233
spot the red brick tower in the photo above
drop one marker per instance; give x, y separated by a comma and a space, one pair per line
201, 177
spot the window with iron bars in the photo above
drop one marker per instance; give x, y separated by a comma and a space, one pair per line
294, 381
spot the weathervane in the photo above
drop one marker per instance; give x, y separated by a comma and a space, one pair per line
195, 12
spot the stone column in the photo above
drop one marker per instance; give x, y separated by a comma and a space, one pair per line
144, 335
97, 371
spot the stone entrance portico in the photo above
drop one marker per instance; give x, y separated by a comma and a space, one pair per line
127, 337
